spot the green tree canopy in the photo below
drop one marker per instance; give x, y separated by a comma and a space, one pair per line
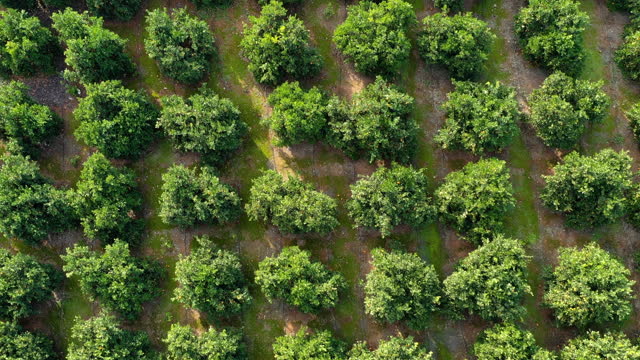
301, 345
475, 199
184, 344
550, 34
17, 344
108, 201
116, 120
277, 46
294, 278
507, 341
594, 345
374, 36
449, 5
211, 280
589, 190
402, 287
628, 55
292, 205
390, 197
191, 197
589, 287
480, 117
633, 114
205, 123
491, 281
119, 280
24, 282
180, 43
393, 348
26, 47
562, 106
115, 9
461, 43
377, 124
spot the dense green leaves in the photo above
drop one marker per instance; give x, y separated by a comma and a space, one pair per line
184, 344
114, 9
120, 281
401, 286
294, 278
116, 120
190, 197
562, 106
460, 43
610, 346
588, 287
390, 197
393, 348
211, 280
589, 190
550, 34
449, 5
507, 341
318, 346
480, 117
180, 43
628, 55
292, 205
16, 344
277, 46
475, 199
374, 35
633, 114
491, 281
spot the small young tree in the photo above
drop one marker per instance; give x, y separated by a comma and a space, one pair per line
24, 282
93, 53
184, 344
390, 197
211, 280
374, 36
122, 10
116, 120
480, 117
298, 115
507, 341
24, 122
628, 55
119, 280
190, 197
475, 199
449, 5
377, 124
101, 338
26, 47
562, 107
292, 205
17, 344
550, 34
594, 345
107, 200
491, 281
621, 5
402, 287
633, 114
460, 43
318, 346
589, 190
180, 43
589, 287
203, 123
277, 46
395, 347
292, 277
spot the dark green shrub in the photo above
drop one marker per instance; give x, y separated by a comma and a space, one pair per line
633, 114
594, 345
507, 341
318, 346
449, 5
184, 344
628, 55
17, 344
114, 9
395, 347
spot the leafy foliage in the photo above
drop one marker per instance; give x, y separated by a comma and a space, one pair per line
374, 36
550, 34
182, 44
621, 5
507, 341
189, 198
292, 276
16, 344
475, 199
633, 114
589, 190
24, 282
277, 46
292, 205
209, 3
26, 47
116, 120
393, 348
107, 201
402, 286
633, 206
203, 123
449, 5
610, 345
183, 344
376, 124
121, 281
318, 346
480, 117
628, 55
123, 10
588, 287
460, 43
101, 338
211, 280
390, 197
491, 281
562, 106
